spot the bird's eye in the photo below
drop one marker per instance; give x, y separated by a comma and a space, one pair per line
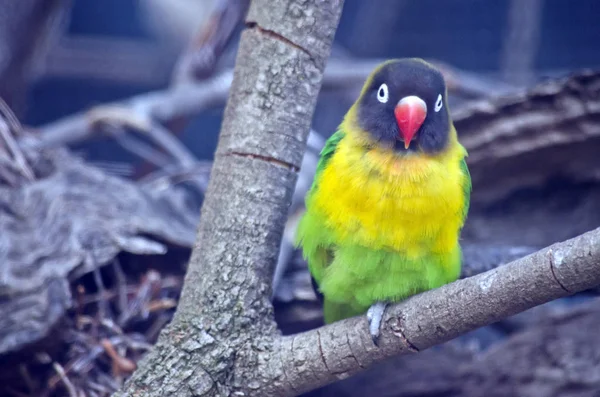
438, 103
382, 93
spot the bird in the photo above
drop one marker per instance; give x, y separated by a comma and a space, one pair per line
389, 198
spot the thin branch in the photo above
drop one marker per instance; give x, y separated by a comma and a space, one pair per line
12, 120
121, 285
186, 100
103, 307
127, 118
310, 159
138, 147
66, 382
10, 128
200, 59
344, 348
198, 175
176, 149
159, 106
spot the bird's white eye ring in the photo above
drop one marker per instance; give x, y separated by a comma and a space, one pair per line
438, 103
382, 93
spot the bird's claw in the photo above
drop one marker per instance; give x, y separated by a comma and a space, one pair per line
375, 315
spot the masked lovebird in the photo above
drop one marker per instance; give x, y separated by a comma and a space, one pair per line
390, 196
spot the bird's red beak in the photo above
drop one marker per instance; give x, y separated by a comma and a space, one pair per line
410, 114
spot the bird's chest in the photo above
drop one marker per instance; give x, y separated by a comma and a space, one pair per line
410, 205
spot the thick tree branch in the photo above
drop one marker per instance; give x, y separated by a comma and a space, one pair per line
224, 318
556, 340
550, 131
339, 350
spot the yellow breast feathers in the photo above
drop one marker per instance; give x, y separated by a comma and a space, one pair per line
411, 203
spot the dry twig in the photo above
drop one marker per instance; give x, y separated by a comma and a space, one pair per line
199, 61
10, 128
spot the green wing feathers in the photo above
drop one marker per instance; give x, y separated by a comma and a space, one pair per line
311, 233
467, 187
326, 154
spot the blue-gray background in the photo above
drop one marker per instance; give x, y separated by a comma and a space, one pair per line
468, 34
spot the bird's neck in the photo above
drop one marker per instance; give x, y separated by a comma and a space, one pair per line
388, 161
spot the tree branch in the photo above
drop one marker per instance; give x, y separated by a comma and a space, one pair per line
160, 106
186, 100
337, 351
224, 318
556, 340
200, 58
549, 131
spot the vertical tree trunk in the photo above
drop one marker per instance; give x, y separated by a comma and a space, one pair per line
224, 319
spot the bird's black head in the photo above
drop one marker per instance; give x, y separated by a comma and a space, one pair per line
403, 105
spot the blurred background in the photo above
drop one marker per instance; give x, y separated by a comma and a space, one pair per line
109, 50
121, 102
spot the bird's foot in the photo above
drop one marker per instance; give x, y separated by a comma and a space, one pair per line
375, 315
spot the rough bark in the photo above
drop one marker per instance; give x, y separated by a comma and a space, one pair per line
556, 355
339, 350
224, 320
551, 131
71, 220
